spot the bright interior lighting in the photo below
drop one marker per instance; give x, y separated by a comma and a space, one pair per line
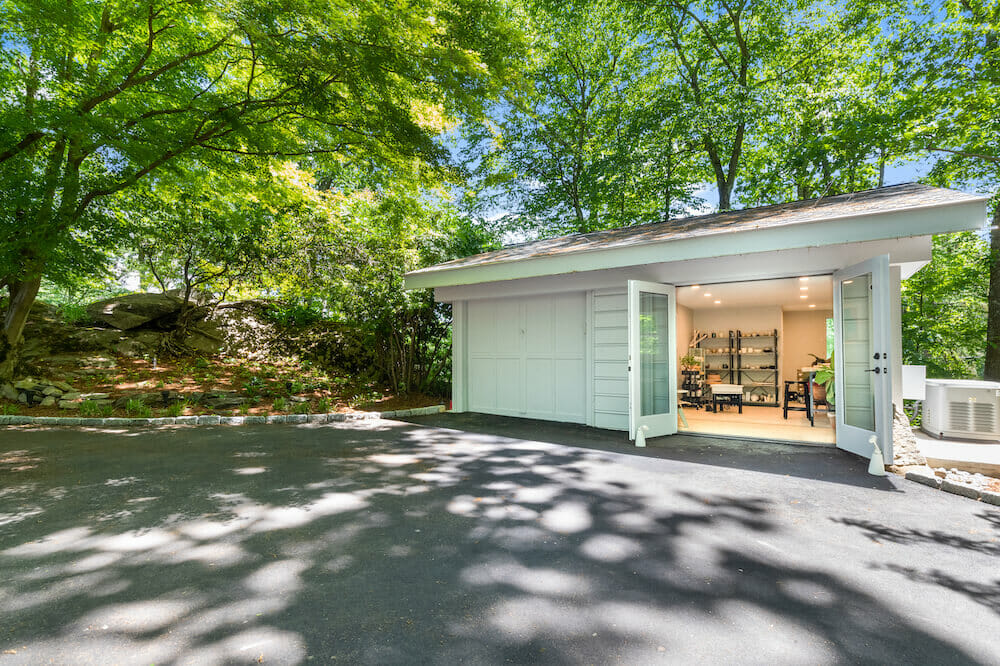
717, 302
812, 305
804, 279
804, 296
696, 286
803, 288
707, 294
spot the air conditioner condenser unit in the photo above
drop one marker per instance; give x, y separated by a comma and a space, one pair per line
962, 408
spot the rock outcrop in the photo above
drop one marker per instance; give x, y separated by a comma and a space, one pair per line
134, 310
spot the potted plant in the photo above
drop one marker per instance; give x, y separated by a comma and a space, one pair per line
690, 362
824, 386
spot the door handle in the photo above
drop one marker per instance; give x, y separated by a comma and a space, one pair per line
877, 371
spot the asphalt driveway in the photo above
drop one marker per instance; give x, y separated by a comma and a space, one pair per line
518, 542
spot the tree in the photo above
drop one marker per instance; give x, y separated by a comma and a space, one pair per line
347, 252
590, 138
961, 123
102, 95
944, 308
203, 235
837, 124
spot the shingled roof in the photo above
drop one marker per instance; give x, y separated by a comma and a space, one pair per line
868, 202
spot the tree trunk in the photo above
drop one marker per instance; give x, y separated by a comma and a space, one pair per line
22, 297
991, 370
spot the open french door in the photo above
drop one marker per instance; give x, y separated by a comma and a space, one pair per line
863, 373
652, 354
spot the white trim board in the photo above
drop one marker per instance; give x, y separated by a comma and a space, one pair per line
825, 260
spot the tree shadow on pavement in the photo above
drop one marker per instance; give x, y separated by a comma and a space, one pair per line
401, 544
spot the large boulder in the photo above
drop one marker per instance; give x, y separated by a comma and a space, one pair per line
134, 310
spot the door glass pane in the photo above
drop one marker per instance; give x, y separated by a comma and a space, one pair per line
858, 402
654, 361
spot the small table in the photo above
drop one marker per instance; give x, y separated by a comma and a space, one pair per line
731, 394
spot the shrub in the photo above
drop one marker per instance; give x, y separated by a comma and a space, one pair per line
301, 408
176, 409
9, 410
323, 405
72, 313
138, 409
244, 410
89, 409
279, 404
201, 363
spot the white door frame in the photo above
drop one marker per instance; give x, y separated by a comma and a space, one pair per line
852, 438
654, 425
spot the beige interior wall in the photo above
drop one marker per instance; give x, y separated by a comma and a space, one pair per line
722, 319
684, 327
804, 333
747, 319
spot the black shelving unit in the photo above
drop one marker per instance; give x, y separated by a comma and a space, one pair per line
720, 357
694, 384
757, 371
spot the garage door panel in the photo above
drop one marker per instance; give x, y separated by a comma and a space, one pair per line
570, 389
508, 379
508, 326
570, 322
539, 386
538, 327
483, 391
527, 357
482, 327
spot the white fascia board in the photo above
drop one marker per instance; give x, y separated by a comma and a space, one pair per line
914, 251
925, 221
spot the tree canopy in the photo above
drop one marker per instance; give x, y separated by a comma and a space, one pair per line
311, 150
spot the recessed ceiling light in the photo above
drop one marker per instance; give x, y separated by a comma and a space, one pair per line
803, 295
708, 294
803, 279
696, 286
717, 302
812, 305
848, 281
803, 288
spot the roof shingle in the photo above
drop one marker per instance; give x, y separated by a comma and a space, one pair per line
868, 202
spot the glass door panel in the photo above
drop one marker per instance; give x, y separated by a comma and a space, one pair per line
859, 384
654, 321
863, 395
652, 351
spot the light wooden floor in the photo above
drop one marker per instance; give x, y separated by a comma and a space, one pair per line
761, 423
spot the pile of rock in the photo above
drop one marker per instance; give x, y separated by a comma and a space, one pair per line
959, 482
49, 393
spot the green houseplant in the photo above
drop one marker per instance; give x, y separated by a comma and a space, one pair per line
825, 376
690, 362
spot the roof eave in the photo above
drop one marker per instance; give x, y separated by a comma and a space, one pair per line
917, 221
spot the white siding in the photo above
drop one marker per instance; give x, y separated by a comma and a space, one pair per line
610, 358
526, 357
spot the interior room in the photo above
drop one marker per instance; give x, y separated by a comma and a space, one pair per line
746, 351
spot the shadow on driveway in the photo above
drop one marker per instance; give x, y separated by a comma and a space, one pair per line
400, 543
806, 461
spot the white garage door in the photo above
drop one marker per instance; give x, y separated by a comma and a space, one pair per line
526, 357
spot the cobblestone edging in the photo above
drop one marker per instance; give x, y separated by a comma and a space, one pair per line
214, 419
966, 487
